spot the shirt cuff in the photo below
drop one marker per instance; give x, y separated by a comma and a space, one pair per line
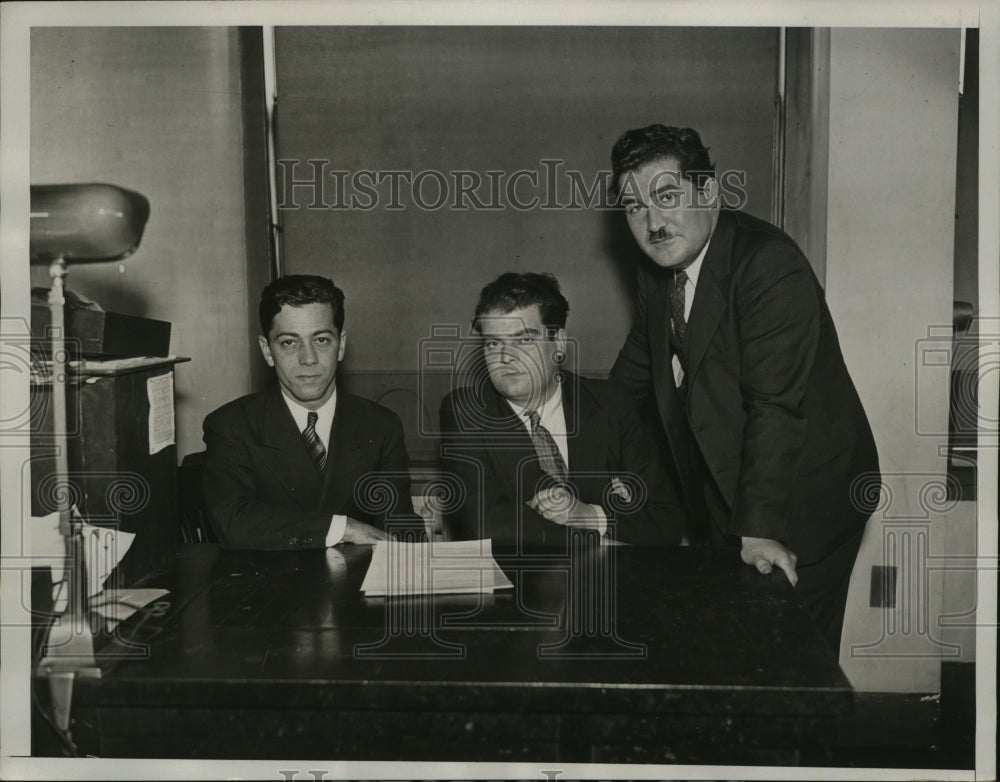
336, 532
600, 524
602, 520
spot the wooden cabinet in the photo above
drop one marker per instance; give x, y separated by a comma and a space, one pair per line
114, 479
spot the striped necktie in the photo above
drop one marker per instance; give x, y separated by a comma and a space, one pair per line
313, 443
677, 319
545, 446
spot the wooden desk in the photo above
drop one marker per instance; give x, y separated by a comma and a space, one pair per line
278, 655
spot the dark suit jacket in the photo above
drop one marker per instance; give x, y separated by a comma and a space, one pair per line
770, 403
488, 449
263, 491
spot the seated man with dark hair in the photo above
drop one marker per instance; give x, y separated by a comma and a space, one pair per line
537, 448
303, 465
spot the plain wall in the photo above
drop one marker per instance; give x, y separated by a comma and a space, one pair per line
498, 99
157, 110
890, 250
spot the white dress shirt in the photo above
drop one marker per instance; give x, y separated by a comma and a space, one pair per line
324, 422
689, 289
553, 418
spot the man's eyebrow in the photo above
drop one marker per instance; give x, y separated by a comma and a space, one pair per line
512, 334
299, 336
668, 186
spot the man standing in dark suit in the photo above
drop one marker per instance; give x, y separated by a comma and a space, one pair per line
734, 341
304, 465
538, 449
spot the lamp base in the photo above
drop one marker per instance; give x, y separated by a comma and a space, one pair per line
69, 654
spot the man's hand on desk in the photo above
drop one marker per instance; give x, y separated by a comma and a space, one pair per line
764, 553
359, 532
558, 505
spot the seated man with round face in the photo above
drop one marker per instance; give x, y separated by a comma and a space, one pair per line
537, 448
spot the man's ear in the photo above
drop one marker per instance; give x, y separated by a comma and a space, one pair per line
708, 193
559, 343
265, 349
343, 344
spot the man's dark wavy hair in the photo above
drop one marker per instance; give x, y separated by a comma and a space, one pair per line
514, 290
296, 290
637, 147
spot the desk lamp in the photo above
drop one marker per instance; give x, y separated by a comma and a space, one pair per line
78, 223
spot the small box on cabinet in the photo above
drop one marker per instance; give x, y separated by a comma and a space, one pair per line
106, 334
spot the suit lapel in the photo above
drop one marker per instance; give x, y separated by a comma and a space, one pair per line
659, 314
662, 352
285, 452
509, 443
585, 428
348, 433
709, 300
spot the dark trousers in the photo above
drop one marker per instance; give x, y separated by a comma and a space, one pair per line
822, 588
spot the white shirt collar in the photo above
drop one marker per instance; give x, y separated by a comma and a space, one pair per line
551, 416
549, 408
695, 268
324, 416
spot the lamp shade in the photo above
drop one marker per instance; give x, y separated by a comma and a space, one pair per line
83, 223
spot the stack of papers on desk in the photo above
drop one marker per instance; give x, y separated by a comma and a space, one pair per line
103, 549
117, 605
436, 567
